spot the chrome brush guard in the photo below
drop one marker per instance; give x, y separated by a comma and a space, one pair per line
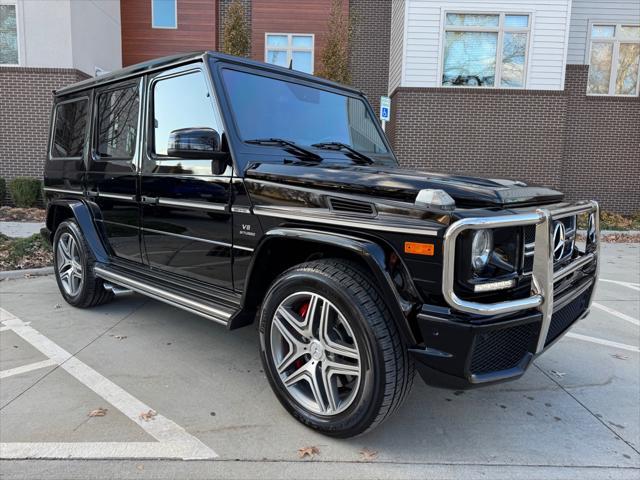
543, 275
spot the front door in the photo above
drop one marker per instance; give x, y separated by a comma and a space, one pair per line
186, 220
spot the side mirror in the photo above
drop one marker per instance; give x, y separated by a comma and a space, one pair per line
197, 143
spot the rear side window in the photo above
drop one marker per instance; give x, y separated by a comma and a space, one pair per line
118, 122
70, 129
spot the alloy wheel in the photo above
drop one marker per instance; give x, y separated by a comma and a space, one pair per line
315, 353
69, 264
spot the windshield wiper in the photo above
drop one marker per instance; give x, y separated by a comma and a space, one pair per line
343, 146
286, 143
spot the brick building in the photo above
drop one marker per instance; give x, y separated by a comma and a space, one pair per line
498, 89
46, 45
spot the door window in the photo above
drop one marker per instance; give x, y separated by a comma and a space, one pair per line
118, 122
180, 102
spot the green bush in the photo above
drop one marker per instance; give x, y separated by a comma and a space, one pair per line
25, 191
3, 189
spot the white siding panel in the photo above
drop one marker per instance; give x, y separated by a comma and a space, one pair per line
547, 49
396, 49
584, 11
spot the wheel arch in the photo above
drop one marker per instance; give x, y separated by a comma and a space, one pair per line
61, 209
297, 245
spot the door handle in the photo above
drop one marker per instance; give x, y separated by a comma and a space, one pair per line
150, 200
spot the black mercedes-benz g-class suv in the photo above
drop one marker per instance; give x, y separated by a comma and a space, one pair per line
241, 191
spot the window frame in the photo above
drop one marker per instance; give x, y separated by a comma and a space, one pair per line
290, 49
500, 30
18, 32
96, 123
175, 9
87, 127
616, 41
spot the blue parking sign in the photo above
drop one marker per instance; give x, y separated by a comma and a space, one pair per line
385, 109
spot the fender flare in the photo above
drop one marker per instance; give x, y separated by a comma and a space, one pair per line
83, 216
370, 252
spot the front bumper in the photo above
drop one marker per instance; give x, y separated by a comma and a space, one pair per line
472, 343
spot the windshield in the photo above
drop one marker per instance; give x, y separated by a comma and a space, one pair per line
266, 107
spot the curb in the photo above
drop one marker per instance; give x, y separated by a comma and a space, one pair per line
27, 272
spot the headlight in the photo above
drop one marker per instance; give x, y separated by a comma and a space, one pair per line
481, 248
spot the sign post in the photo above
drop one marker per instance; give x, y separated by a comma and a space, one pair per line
385, 111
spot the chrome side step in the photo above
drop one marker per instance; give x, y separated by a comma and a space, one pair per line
159, 293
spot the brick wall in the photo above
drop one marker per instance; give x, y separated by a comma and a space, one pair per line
585, 146
369, 62
602, 151
25, 106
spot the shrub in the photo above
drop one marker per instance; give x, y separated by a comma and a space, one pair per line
3, 189
235, 34
25, 191
334, 58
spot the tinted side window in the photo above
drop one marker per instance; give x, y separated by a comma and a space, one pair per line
180, 102
70, 129
118, 122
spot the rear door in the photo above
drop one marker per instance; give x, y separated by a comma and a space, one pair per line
112, 180
186, 220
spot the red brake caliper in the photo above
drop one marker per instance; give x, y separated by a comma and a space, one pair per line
302, 311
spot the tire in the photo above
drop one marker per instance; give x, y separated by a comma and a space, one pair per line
351, 395
76, 279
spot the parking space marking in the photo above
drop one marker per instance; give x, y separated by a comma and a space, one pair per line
633, 286
616, 313
173, 440
600, 341
27, 368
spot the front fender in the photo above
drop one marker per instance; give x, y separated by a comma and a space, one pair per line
61, 208
370, 252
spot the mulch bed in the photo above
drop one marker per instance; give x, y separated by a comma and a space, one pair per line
22, 253
15, 214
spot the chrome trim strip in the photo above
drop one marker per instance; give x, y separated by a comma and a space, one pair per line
311, 216
573, 266
192, 306
214, 207
240, 209
196, 239
62, 190
117, 196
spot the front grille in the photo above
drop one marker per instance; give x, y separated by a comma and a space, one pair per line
530, 238
352, 206
502, 349
564, 318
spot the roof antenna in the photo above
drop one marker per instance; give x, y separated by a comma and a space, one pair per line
291, 64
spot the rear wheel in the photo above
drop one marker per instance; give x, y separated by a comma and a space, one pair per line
73, 266
331, 350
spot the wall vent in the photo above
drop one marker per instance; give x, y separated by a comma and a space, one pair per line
353, 207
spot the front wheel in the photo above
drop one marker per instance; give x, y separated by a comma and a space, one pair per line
332, 353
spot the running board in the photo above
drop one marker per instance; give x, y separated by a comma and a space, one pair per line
191, 305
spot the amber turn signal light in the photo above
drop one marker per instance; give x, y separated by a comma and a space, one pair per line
416, 248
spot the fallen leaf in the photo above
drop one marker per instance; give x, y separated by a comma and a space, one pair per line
558, 374
146, 416
140, 467
366, 454
619, 356
57, 306
308, 452
98, 412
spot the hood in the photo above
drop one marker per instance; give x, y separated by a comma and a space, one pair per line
403, 184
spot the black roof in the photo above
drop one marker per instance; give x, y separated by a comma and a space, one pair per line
183, 58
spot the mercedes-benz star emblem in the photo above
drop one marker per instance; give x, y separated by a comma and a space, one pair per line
559, 238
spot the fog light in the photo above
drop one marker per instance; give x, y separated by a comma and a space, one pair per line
491, 286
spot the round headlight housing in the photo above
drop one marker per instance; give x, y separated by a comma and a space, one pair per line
481, 248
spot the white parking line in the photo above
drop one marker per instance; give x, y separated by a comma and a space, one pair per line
633, 286
600, 341
27, 368
173, 440
616, 313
